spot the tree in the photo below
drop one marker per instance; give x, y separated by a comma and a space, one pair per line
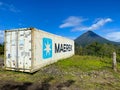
1, 49
107, 50
98, 49
93, 49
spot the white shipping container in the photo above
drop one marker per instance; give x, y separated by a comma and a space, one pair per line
29, 49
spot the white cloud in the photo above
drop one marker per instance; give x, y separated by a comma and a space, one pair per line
76, 23
97, 25
1, 36
8, 7
113, 36
71, 21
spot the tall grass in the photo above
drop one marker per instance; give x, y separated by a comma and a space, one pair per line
84, 63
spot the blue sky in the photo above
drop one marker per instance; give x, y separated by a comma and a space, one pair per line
68, 18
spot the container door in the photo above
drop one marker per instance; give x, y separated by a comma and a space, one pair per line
24, 48
18, 49
11, 49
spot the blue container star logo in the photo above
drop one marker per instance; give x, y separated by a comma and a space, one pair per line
47, 48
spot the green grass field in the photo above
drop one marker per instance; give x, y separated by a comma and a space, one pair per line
1, 56
74, 73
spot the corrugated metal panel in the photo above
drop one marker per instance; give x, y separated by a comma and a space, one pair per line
41, 56
11, 49
24, 49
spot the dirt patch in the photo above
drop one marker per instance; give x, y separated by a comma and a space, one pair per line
15, 86
52, 70
11, 85
65, 84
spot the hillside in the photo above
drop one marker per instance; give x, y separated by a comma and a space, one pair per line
90, 37
75, 73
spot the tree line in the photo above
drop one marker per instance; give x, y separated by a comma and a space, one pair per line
1, 49
98, 49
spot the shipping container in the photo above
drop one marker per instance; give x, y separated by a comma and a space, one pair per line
29, 49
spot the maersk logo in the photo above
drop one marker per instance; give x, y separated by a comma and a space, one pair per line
47, 48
